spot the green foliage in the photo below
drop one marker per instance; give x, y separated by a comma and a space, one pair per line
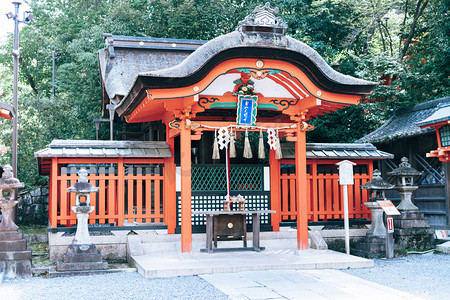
363, 38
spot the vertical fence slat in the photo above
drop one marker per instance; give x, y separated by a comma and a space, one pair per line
120, 192
284, 201
157, 198
101, 195
130, 194
337, 199
293, 198
328, 196
139, 196
112, 200
321, 197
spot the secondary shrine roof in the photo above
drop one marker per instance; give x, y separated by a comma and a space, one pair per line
405, 122
442, 114
101, 149
336, 151
125, 56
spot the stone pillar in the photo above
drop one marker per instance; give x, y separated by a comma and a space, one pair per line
377, 227
15, 257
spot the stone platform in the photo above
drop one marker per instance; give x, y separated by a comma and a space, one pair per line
15, 257
373, 246
81, 258
412, 230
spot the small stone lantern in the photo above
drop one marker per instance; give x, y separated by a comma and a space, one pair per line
82, 254
82, 188
405, 185
376, 187
8, 184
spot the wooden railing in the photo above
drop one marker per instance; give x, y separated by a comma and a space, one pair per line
132, 194
325, 196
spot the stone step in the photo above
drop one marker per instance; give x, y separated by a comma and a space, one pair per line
410, 216
406, 223
413, 231
16, 255
16, 245
15, 268
80, 258
10, 236
62, 266
175, 245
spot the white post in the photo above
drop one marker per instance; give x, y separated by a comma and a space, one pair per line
346, 221
345, 179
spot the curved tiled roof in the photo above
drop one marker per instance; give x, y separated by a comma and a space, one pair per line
404, 122
245, 42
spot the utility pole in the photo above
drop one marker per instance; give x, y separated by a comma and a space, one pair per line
27, 17
55, 55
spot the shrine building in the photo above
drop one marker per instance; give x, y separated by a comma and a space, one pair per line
186, 106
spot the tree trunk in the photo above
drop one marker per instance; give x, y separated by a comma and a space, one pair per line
418, 13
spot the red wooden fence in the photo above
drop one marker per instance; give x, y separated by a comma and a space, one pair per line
325, 194
131, 194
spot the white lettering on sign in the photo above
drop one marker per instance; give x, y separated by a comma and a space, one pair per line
390, 225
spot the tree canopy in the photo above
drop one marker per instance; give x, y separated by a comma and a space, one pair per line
401, 44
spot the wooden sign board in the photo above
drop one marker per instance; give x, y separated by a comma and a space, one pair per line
388, 207
247, 109
346, 172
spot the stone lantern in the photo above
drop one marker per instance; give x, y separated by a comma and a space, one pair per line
15, 257
82, 254
405, 175
8, 184
376, 187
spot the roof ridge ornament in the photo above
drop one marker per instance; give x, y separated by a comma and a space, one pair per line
263, 19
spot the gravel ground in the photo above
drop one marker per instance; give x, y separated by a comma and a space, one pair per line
109, 286
425, 275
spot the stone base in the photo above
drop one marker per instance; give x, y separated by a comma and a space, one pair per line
82, 257
412, 231
372, 246
81, 266
15, 258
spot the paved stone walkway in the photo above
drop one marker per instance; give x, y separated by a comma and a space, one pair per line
301, 284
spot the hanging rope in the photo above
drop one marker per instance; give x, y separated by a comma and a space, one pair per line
225, 137
247, 148
232, 145
215, 154
278, 154
261, 152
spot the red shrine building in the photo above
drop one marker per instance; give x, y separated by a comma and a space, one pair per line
181, 99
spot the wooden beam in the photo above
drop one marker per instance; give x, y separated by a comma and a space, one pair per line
225, 124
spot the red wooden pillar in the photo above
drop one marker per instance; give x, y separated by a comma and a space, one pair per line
185, 162
170, 199
302, 193
275, 195
53, 193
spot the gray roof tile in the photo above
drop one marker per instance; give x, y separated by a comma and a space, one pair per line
336, 151
404, 122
